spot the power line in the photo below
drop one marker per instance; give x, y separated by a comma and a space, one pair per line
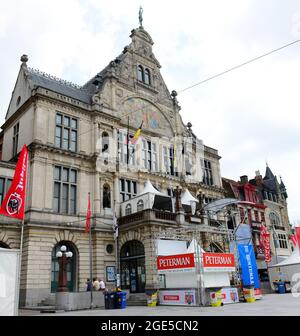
239, 66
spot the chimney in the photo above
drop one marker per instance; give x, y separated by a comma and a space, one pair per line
244, 179
258, 178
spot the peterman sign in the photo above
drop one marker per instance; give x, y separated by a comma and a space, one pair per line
176, 263
218, 262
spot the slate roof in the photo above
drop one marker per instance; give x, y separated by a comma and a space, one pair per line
46, 81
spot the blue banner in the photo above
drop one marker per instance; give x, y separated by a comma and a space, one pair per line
248, 265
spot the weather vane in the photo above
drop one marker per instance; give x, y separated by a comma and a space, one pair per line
141, 16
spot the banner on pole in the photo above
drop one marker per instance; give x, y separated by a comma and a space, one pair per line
265, 242
248, 265
13, 204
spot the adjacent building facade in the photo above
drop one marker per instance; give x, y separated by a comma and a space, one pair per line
263, 201
80, 141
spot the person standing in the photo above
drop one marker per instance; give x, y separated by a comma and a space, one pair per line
96, 284
88, 285
102, 285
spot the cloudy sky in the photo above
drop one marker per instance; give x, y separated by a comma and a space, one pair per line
251, 115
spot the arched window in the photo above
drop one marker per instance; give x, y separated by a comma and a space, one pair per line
71, 267
140, 73
128, 209
274, 219
147, 77
140, 205
105, 142
106, 196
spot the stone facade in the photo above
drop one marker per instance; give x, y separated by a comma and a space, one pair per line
65, 127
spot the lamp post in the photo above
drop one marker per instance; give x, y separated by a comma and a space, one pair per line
63, 257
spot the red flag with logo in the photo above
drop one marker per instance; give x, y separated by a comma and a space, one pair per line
88, 217
13, 204
265, 242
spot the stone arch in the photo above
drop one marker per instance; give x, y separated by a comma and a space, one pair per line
65, 235
6, 240
131, 235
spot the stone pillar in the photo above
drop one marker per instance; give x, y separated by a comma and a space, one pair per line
152, 280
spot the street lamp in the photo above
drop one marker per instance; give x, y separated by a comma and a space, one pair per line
63, 257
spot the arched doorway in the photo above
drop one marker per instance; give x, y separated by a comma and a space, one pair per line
3, 245
132, 259
71, 267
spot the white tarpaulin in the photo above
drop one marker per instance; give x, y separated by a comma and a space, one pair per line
9, 266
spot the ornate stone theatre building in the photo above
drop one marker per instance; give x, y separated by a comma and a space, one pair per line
78, 143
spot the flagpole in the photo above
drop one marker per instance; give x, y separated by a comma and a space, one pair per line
116, 235
20, 266
91, 262
127, 146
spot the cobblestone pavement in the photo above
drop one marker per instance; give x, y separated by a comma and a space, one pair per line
271, 304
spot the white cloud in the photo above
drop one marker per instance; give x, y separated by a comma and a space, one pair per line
250, 114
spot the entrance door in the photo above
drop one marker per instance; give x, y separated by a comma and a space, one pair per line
133, 274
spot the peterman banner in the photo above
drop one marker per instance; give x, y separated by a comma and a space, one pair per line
178, 262
218, 262
248, 265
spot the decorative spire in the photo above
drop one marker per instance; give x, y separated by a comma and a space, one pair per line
141, 17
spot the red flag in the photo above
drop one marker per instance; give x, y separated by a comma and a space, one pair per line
297, 229
293, 238
88, 217
13, 204
265, 242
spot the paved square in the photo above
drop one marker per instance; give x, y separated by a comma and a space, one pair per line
270, 305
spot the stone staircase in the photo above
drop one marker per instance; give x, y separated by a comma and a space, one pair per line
139, 299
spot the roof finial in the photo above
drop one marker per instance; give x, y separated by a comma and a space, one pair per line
141, 16
267, 163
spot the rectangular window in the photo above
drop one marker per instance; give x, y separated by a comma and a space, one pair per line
262, 216
149, 155
256, 218
282, 241
122, 147
65, 190
15, 139
207, 172
66, 132
4, 186
127, 189
168, 154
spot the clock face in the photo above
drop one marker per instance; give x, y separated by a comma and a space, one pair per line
139, 110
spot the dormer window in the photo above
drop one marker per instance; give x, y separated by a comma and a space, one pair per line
143, 75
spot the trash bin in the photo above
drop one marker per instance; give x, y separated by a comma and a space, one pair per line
249, 294
120, 300
281, 287
110, 300
152, 298
216, 298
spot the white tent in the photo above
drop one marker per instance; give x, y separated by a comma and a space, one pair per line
149, 198
287, 270
188, 199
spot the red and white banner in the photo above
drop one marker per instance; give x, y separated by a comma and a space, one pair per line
178, 262
218, 262
171, 297
265, 242
13, 204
